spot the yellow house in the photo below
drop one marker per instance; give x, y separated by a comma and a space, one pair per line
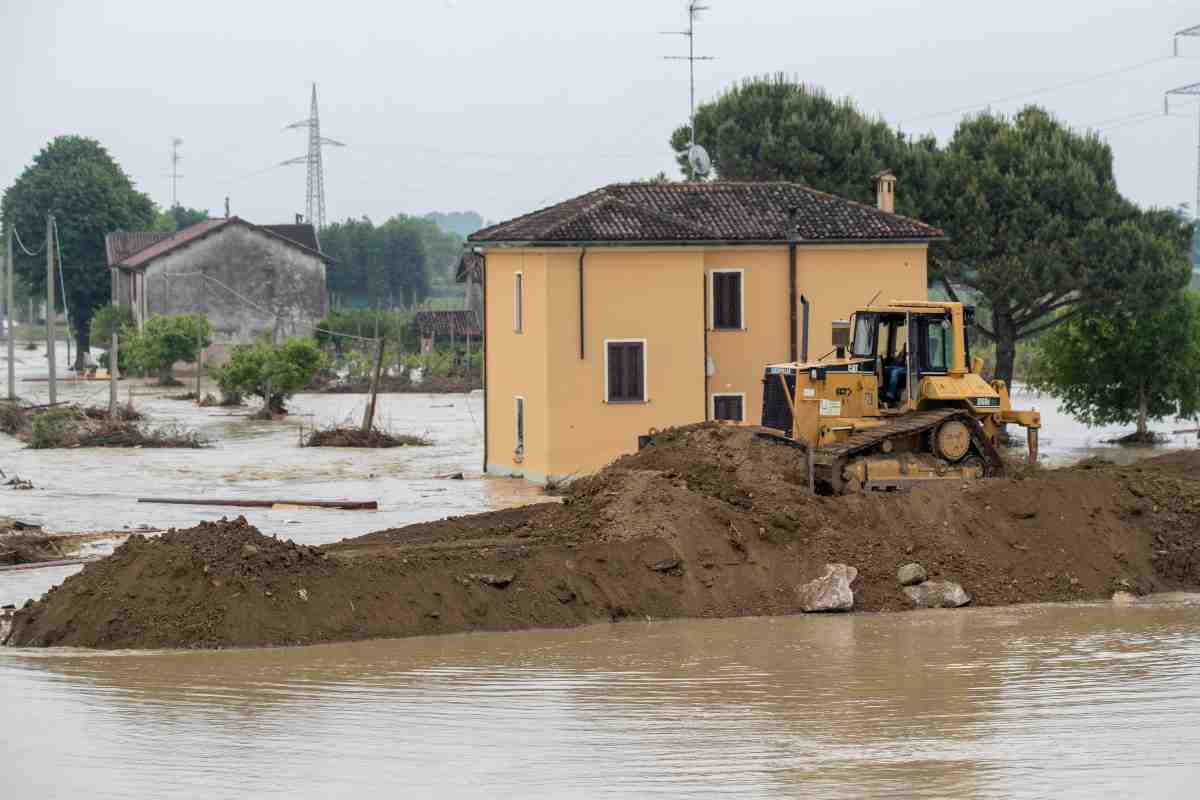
640, 306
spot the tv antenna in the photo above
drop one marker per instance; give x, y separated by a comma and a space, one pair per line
697, 156
315, 193
175, 176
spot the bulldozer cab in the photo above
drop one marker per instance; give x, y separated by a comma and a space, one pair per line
906, 345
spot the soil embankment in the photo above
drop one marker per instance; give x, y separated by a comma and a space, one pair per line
710, 521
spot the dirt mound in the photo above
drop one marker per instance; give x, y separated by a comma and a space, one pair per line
711, 520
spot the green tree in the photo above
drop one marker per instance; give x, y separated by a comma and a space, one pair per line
774, 128
380, 266
76, 180
1036, 227
1122, 367
272, 373
110, 320
460, 223
165, 340
169, 220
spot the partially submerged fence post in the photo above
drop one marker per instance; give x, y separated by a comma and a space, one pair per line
369, 413
199, 360
113, 356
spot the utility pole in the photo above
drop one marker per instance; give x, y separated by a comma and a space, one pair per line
693, 8
175, 176
11, 317
1192, 89
50, 308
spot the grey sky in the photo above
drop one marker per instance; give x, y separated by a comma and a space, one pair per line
505, 106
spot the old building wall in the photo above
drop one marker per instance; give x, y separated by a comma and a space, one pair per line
248, 283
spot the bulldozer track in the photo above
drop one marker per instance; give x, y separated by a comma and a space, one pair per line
922, 422
864, 440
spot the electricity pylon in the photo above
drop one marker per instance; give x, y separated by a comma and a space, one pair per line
314, 204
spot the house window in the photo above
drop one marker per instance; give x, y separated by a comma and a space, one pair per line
728, 306
625, 371
519, 451
729, 407
518, 302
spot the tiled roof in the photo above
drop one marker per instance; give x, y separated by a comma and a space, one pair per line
153, 245
443, 323
300, 233
119, 245
717, 211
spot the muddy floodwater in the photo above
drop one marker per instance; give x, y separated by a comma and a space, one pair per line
1077, 701
1066, 701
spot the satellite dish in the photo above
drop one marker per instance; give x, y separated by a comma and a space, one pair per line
698, 158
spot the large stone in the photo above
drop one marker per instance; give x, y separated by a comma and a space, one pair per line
830, 592
937, 594
911, 574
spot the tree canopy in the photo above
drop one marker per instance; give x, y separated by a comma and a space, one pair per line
388, 265
1036, 226
1122, 367
461, 223
176, 218
75, 179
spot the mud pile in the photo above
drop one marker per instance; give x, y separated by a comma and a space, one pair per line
709, 521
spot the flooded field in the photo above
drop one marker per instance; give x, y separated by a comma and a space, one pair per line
1067, 701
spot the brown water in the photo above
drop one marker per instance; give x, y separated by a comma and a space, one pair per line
1067, 701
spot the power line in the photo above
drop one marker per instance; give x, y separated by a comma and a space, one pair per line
21, 244
1192, 89
1039, 91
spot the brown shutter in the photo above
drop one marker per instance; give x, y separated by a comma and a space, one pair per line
727, 300
626, 378
614, 371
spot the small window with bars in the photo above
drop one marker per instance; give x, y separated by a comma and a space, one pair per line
520, 448
625, 371
729, 407
518, 301
727, 305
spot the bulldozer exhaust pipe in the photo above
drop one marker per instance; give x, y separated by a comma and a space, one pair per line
804, 335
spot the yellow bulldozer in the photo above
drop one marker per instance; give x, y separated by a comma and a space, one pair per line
900, 402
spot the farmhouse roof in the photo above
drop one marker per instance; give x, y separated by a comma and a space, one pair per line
707, 212
446, 323
137, 248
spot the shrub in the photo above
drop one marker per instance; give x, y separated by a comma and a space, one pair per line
110, 320
165, 340
272, 373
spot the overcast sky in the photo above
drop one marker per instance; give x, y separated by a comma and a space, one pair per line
502, 107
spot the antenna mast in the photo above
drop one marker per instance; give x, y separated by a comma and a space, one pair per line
315, 192
175, 176
694, 8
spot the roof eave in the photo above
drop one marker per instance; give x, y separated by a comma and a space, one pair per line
517, 243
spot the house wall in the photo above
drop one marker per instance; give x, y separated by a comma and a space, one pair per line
261, 276
657, 295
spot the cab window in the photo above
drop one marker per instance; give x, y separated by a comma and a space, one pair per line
866, 329
937, 345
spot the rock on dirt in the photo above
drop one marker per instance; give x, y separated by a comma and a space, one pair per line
911, 574
830, 592
937, 594
725, 515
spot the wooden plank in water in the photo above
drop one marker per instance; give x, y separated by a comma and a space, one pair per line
345, 505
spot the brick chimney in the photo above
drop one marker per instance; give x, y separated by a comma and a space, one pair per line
885, 191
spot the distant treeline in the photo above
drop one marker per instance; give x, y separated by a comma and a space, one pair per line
391, 265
